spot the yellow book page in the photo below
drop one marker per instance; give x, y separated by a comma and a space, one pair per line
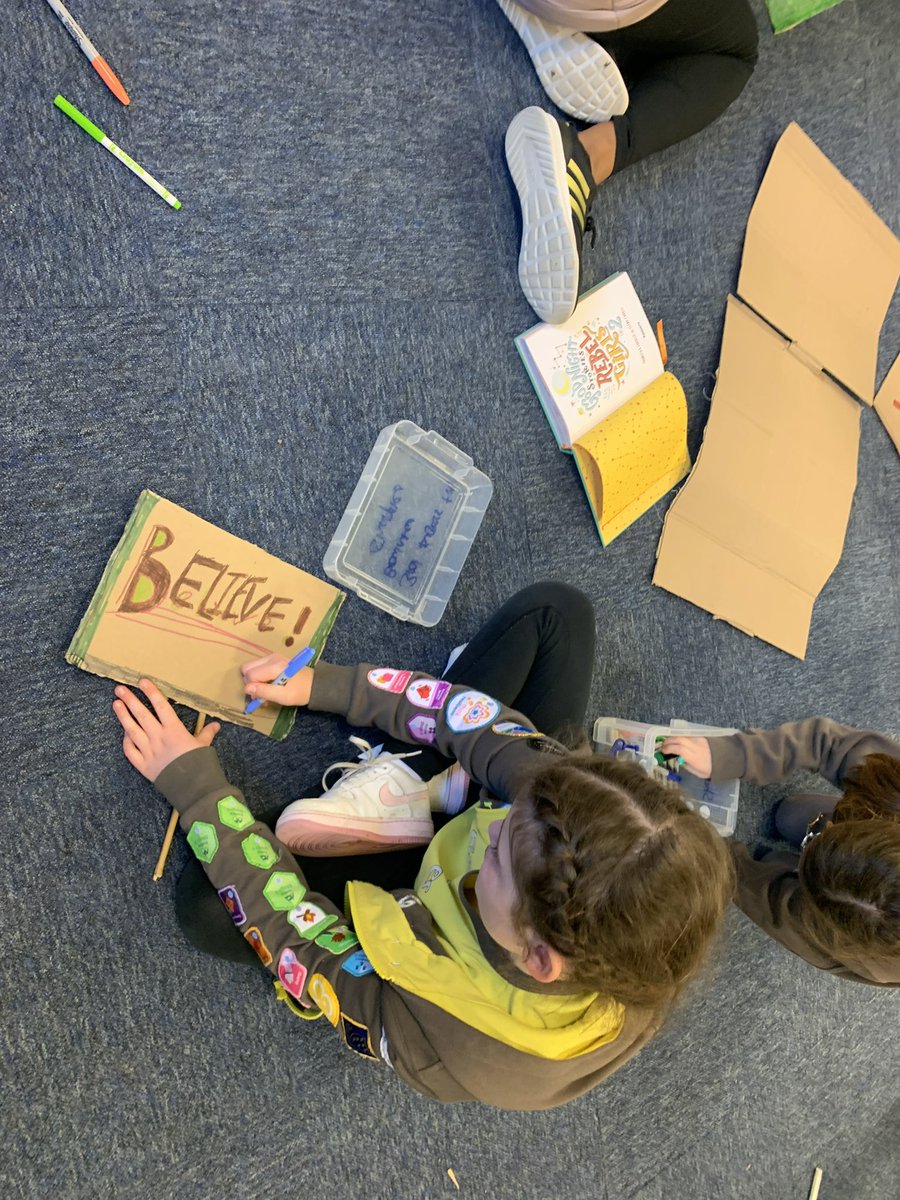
632, 458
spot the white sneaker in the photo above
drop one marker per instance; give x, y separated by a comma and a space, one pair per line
378, 804
447, 792
576, 72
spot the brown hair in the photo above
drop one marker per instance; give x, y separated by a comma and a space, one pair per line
850, 873
619, 876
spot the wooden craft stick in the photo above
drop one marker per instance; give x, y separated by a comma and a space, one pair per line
173, 820
814, 1186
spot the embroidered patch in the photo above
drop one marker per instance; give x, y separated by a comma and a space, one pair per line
357, 964
258, 852
408, 901
389, 680
255, 938
234, 814
433, 874
357, 1037
421, 728
232, 901
310, 920
428, 693
291, 972
283, 890
338, 939
203, 841
471, 710
321, 991
511, 729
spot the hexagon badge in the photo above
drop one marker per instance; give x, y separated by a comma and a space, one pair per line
258, 852
283, 890
233, 813
203, 841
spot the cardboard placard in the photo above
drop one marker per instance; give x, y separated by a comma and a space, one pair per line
757, 530
185, 604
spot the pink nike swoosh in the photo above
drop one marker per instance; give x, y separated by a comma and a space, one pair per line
387, 797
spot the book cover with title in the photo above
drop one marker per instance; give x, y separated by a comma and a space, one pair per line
590, 365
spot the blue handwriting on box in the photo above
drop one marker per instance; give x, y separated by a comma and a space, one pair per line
405, 527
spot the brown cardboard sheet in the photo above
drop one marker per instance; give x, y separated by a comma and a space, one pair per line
185, 604
757, 530
819, 264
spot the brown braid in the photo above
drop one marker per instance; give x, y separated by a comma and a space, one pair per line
619, 876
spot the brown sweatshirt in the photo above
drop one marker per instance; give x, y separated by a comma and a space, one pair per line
310, 946
769, 890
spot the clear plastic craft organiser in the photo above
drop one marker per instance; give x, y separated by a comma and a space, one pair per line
410, 524
717, 800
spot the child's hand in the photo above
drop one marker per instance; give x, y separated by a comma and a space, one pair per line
694, 751
258, 674
155, 739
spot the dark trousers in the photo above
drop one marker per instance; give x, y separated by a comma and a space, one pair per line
684, 65
535, 654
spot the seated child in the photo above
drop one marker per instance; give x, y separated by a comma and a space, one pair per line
835, 901
645, 74
523, 953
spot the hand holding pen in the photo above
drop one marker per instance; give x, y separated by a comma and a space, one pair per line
278, 680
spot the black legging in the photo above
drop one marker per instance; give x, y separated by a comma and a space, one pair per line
535, 654
684, 65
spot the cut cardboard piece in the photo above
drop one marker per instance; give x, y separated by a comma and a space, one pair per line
758, 528
185, 604
819, 264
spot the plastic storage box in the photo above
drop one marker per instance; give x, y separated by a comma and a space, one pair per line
717, 800
410, 524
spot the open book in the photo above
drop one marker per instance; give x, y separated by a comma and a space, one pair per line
601, 382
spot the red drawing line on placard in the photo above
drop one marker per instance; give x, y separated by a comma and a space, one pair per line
230, 644
184, 619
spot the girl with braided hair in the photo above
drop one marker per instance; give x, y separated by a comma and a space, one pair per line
514, 941
834, 899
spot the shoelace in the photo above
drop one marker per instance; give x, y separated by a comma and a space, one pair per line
368, 755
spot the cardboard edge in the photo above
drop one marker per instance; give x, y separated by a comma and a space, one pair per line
81, 640
887, 403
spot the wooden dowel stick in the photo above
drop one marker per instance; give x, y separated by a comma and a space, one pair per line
816, 1181
173, 820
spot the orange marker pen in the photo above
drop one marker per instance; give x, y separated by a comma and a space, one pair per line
93, 55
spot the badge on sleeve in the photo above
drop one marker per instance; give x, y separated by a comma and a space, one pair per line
386, 679
511, 729
255, 938
283, 890
321, 991
471, 710
357, 964
232, 901
428, 693
291, 972
338, 939
310, 920
357, 1037
421, 728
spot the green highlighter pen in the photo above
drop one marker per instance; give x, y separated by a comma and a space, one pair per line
89, 127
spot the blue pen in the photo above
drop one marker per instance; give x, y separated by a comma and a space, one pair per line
297, 663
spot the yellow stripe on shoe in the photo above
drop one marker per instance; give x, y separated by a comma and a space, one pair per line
577, 176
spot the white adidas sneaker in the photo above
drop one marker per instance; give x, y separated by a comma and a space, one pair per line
377, 804
576, 72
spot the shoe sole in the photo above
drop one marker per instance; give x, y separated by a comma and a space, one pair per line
576, 72
327, 839
548, 256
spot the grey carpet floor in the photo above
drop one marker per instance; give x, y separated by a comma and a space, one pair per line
345, 258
